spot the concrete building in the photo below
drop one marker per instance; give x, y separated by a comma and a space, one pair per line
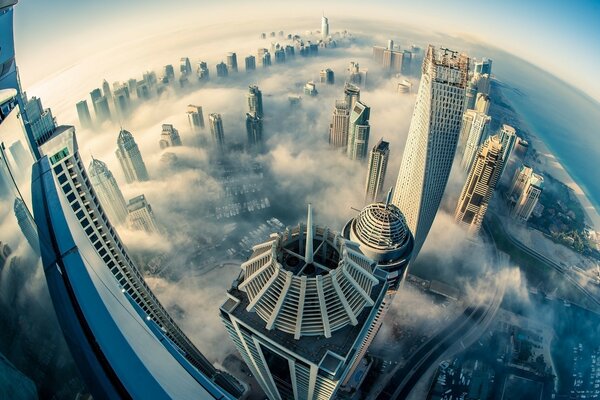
108, 192
195, 117
169, 137
232, 62
40, 120
185, 66
358, 132
302, 311
480, 185
338, 129
130, 158
254, 99
388, 58
250, 63
203, 72
508, 137
483, 66
140, 216
102, 109
432, 140
254, 130
477, 134
327, 76
216, 131
378, 160
351, 94
482, 103
524, 192
222, 71
83, 112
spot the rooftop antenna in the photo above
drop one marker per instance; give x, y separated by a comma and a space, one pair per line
388, 198
308, 252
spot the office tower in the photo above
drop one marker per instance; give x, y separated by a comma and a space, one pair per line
508, 137
351, 94
203, 73
526, 191
140, 216
338, 129
130, 158
477, 134
484, 66
222, 70
40, 120
185, 66
232, 62
102, 110
151, 80
378, 160
481, 83
250, 63
279, 56
324, 27
465, 130
5, 253
169, 72
358, 132
108, 191
83, 112
482, 103
195, 118
216, 131
301, 312
432, 140
470, 95
388, 58
26, 224
289, 51
406, 64
260, 55
169, 137
310, 89
254, 99
142, 91
383, 235
266, 59
254, 129
122, 102
480, 185
106, 90
327, 76
132, 86
518, 183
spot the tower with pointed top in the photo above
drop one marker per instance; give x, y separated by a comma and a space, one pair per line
130, 158
108, 191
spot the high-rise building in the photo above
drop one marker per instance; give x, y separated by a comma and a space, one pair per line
508, 137
480, 185
185, 66
83, 112
525, 193
358, 132
203, 73
482, 103
302, 311
324, 27
477, 134
406, 67
222, 70
130, 158
108, 191
432, 140
106, 90
356, 75
338, 129
351, 94
260, 55
266, 60
169, 137
254, 99
216, 131
195, 118
378, 160
122, 102
232, 62
40, 120
26, 224
327, 76
388, 58
254, 129
483, 66
250, 63
102, 109
5, 253
310, 89
279, 56
518, 183
140, 216
169, 72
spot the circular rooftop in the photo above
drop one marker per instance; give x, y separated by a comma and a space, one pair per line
381, 226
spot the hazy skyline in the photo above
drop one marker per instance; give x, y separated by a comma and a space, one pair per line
553, 35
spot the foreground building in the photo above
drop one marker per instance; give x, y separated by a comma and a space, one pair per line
302, 311
432, 140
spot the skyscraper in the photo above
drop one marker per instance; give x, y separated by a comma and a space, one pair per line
222, 70
83, 112
432, 140
254, 129
254, 98
130, 158
528, 196
482, 103
185, 66
108, 191
327, 76
266, 60
26, 224
216, 131
250, 63
475, 138
508, 137
480, 185
324, 27
106, 90
338, 129
169, 73
483, 66
102, 110
310, 89
302, 311
122, 102
40, 120
140, 216
351, 94
388, 58
378, 160
203, 73
169, 136
195, 118
358, 132
232, 62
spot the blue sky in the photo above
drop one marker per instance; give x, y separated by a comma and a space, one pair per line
559, 36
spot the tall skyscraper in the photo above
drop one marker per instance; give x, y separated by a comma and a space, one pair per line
108, 191
378, 160
169, 137
338, 129
432, 140
26, 224
216, 131
254, 129
255, 103
203, 73
324, 27
480, 185
302, 311
477, 134
250, 63
140, 216
483, 66
232, 62
358, 132
482, 103
351, 94
327, 76
83, 112
195, 118
130, 158
508, 137
526, 192
40, 120
122, 102
185, 66
106, 91
169, 73
102, 109
388, 58
518, 183
266, 60
222, 70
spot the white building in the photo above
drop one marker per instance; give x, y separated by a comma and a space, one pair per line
324, 27
169, 137
508, 137
525, 193
378, 160
432, 140
130, 158
340, 122
195, 118
140, 216
358, 132
479, 124
108, 191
